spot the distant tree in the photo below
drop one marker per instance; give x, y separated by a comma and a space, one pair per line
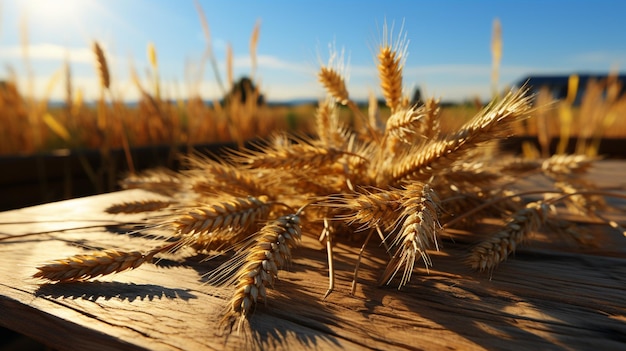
417, 97
243, 90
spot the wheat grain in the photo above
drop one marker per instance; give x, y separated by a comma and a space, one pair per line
582, 204
390, 73
209, 178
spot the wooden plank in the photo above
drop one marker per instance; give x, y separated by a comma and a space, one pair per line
550, 295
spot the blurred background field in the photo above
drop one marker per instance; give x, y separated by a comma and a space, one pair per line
62, 138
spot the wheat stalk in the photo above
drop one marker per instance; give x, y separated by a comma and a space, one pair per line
418, 230
567, 164
390, 73
391, 57
372, 209
489, 253
493, 122
101, 66
334, 83
237, 214
404, 123
87, 266
229, 66
238, 181
269, 250
254, 43
327, 125
295, 156
496, 55
137, 206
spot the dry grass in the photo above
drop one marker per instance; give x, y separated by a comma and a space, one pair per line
405, 177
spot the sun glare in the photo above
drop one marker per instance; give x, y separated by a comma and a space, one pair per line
59, 15
55, 11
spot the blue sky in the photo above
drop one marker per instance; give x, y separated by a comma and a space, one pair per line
449, 42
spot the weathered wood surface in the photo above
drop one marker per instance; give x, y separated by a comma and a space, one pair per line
552, 295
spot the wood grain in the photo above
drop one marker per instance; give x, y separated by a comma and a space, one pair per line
551, 295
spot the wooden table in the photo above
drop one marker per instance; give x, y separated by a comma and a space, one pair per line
551, 295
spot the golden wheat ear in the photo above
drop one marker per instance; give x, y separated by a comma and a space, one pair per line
370, 209
293, 153
494, 122
138, 206
491, 252
390, 72
260, 259
418, 230
87, 266
102, 66
236, 214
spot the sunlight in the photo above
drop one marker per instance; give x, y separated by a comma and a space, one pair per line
62, 18
56, 12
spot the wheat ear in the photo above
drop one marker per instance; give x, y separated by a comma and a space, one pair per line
269, 251
295, 156
238, 213
418, 230
488, 254
334, 83
431, 126
328, 128
137, 206
370, 209
493, 122
390, 73
87, 266
213, 178
567, 164
403, 124
391, 57
101, 66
